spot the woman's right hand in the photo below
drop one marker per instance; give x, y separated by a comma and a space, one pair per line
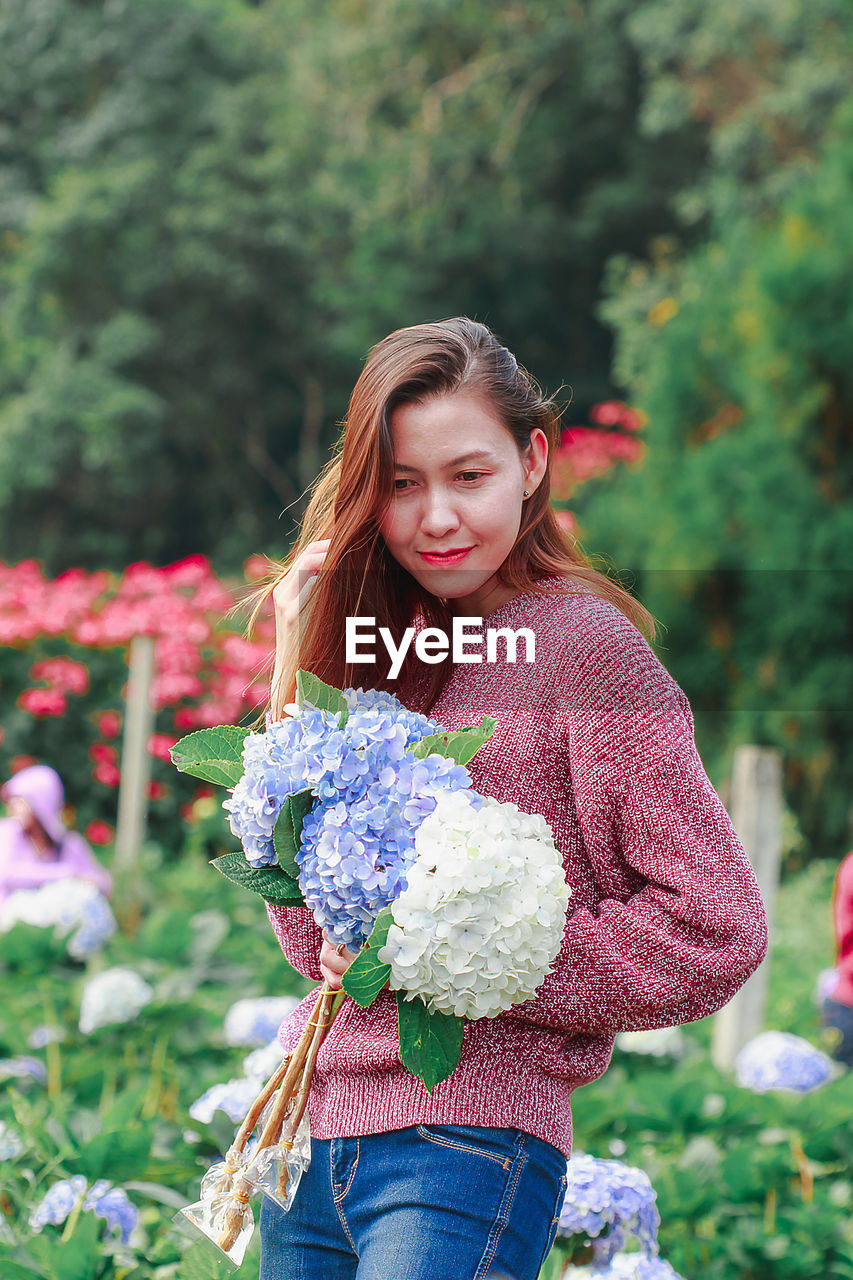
289, 597
334, 962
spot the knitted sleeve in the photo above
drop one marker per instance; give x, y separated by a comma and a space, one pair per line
680, 924
299, 938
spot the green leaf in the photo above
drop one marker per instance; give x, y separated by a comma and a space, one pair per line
287, 833
118, 1154
430, 1043
216, 754
78, 1258
367, 975
460, 745
15, 1271
325, 697
273, 884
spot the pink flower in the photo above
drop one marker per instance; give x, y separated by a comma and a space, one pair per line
106, 773
160, 744
63, 674
101, 753
43, 702
21, 762
99, 832
109, 723
157, 790
256, 568
188, 572
566, 520
587, 452
613, 413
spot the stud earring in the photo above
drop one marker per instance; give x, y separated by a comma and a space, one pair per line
526, 494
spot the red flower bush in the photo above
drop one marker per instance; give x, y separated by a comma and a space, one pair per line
108, 723
43, 702
586, 453
70, 636
62, 674
99, 832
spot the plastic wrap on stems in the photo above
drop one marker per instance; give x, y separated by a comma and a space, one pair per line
220, 1176
277, 1170
224, 1215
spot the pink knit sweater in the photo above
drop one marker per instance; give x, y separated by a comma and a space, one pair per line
665, 920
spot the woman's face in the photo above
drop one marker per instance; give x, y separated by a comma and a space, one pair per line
459, 488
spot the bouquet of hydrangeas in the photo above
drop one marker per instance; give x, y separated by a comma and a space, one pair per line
363, 811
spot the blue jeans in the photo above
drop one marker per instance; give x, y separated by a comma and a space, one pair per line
431, 1202
840, 1017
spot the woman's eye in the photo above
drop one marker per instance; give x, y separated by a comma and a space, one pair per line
399, 485
470, 476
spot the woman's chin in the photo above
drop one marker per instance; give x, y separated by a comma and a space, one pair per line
451, 584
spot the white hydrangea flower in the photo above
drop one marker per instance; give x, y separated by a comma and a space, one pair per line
482, 917
234, 1097
11, 1142
261, 1063
255, 1020
657, 1042
115, 995
72, 906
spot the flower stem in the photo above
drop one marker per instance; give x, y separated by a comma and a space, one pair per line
295, 1075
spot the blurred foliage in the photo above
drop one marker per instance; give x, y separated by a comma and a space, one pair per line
212, 209
115, 1102
745, 378
749, 1187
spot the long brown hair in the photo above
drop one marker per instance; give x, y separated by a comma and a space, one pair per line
355, 488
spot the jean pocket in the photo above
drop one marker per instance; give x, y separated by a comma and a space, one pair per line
500, 1145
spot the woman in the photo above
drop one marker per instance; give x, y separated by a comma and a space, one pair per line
35, 847
437, 505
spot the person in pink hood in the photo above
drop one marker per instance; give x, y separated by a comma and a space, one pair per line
35, 846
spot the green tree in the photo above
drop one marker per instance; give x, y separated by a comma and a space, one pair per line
213, 209
741, 522
156, 342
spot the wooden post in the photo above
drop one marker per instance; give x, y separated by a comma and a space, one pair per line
756, 813
135, 761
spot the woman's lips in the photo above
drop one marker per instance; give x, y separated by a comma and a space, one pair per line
451, 557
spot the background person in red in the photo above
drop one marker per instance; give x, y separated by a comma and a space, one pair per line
837, 1007
35, 846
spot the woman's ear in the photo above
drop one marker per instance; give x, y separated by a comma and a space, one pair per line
536, 459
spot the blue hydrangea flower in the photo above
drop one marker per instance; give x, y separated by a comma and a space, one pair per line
310, 751
357, 846
44, 1034
608, 1201
780, 1060
114, 1206
234, 1097
255, 1020
21, 1068
94, 926
627, 1266
106, 1201
11, 1142
58, 1203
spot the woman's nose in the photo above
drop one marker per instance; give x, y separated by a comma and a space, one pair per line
439, 516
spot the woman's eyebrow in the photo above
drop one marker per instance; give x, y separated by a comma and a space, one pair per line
456, 462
